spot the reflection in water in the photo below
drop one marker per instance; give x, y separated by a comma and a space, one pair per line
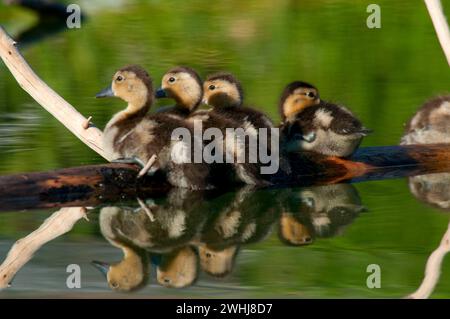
22, 251
318, 212
190, 229
430, 125
433, 189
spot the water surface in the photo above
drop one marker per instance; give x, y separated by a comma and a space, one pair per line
383, 75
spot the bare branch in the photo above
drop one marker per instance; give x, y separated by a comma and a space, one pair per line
23, 250
433, 269
46, 97
440, 25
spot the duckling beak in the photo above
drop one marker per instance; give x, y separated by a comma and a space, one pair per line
103, 267
160, 93
107, 92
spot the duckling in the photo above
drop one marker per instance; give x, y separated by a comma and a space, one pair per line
178, 218
131, 273
178, 269
184, 85
294, 231
433, 189
217, 262
223, 92
321, 211
311, 124
134, 136
430, 124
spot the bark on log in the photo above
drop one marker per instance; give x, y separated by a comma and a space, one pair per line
97, 184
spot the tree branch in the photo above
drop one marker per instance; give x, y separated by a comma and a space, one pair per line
46, 97
440, 25
23, 250
433, 268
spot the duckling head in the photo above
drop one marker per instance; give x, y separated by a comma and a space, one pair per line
178, 269
292, 232
218, 263
222, 90
127, 275
133, 85
296, 97
184, 85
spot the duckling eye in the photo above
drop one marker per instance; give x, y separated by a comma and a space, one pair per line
310, 94
212, 87
119, 78
171, 79
114, 285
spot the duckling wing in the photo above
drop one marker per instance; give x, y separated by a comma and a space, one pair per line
344, 122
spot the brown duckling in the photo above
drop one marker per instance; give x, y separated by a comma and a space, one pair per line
132, 272
430, 124
217, 262
319, 211
183, 85
223, 92
178, 269
311, 124
134, 136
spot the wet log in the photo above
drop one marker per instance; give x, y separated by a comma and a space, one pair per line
100, 184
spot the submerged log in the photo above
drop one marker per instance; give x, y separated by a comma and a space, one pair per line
98, 184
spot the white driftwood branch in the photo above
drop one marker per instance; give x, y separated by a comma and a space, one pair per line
46, 97
433, 268
440, 25
23, 250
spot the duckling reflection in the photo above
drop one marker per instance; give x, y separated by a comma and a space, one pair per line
217, 262
246, 217
193, 232
430, 125
178, 269
131, 273
321, 211
176, 221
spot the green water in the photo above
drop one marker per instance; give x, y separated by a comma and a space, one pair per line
383, 75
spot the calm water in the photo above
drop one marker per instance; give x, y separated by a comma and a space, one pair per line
235, 244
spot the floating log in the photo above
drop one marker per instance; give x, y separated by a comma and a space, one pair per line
99, 184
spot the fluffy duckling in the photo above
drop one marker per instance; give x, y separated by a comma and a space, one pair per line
430, 124
293, 231
311, 124
178, 269
433, 189
176, 220
224, 93
184, 85
131, 273
217, 262
134, 136
321, 211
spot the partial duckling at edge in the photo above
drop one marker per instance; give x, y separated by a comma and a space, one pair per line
430, 124
133, 136
311, 124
